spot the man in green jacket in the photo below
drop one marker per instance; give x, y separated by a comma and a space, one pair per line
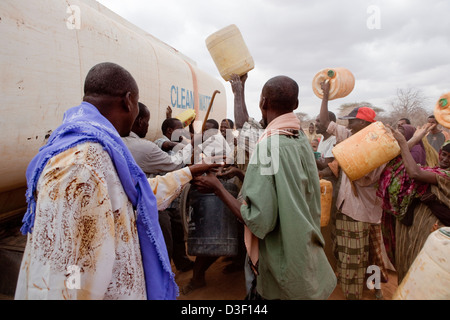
281, 208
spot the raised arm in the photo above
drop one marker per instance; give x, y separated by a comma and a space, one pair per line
168, 112
240, 108
420, 133
413, 170
323, 116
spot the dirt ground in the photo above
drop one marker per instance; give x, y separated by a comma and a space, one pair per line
221, 286
231, 286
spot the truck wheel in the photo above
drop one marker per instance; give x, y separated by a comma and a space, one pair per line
184, 209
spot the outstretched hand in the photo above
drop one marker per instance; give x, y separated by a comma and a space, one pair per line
397, 135
168, 112
325, 87
419, 134
206, 183
231, 172
201, 168
236, 83
422, 131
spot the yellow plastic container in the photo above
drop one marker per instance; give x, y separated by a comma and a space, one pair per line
428, 278
366, 150
442, 110
326, 195
186, 117
229, 52
342, 82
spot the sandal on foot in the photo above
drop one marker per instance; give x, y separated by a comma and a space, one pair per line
191, 286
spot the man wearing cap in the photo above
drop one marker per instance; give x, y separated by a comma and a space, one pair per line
359, 210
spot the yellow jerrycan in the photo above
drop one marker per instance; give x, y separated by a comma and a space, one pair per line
229, 52
186, 117
442, 110
342, 82
326, 195
366, 150
428, 278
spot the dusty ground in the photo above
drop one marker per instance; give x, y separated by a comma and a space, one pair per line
220, 286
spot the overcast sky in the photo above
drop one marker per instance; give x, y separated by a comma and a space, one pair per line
386, 44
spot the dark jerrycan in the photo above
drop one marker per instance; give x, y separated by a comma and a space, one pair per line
213, 229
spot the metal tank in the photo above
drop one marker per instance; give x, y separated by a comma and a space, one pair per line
48, 46
213, 230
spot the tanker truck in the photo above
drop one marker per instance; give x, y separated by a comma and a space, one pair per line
47, 49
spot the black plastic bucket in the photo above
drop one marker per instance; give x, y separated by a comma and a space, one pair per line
213, 229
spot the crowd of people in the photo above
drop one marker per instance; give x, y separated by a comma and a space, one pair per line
103, 198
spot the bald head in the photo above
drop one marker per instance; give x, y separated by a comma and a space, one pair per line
279, 96
281, 93
110, 80
115, 93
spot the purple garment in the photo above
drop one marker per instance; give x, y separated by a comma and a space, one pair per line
418, 151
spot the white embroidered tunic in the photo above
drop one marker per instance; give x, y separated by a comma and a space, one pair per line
84, 243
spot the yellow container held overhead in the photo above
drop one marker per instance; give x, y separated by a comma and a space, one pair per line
428, 278
342, 82
186, 117
366, 150
326, 195
442, 110
229, 52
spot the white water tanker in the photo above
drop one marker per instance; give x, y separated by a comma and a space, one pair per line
47, 48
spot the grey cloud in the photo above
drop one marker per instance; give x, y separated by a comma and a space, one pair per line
298, 38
